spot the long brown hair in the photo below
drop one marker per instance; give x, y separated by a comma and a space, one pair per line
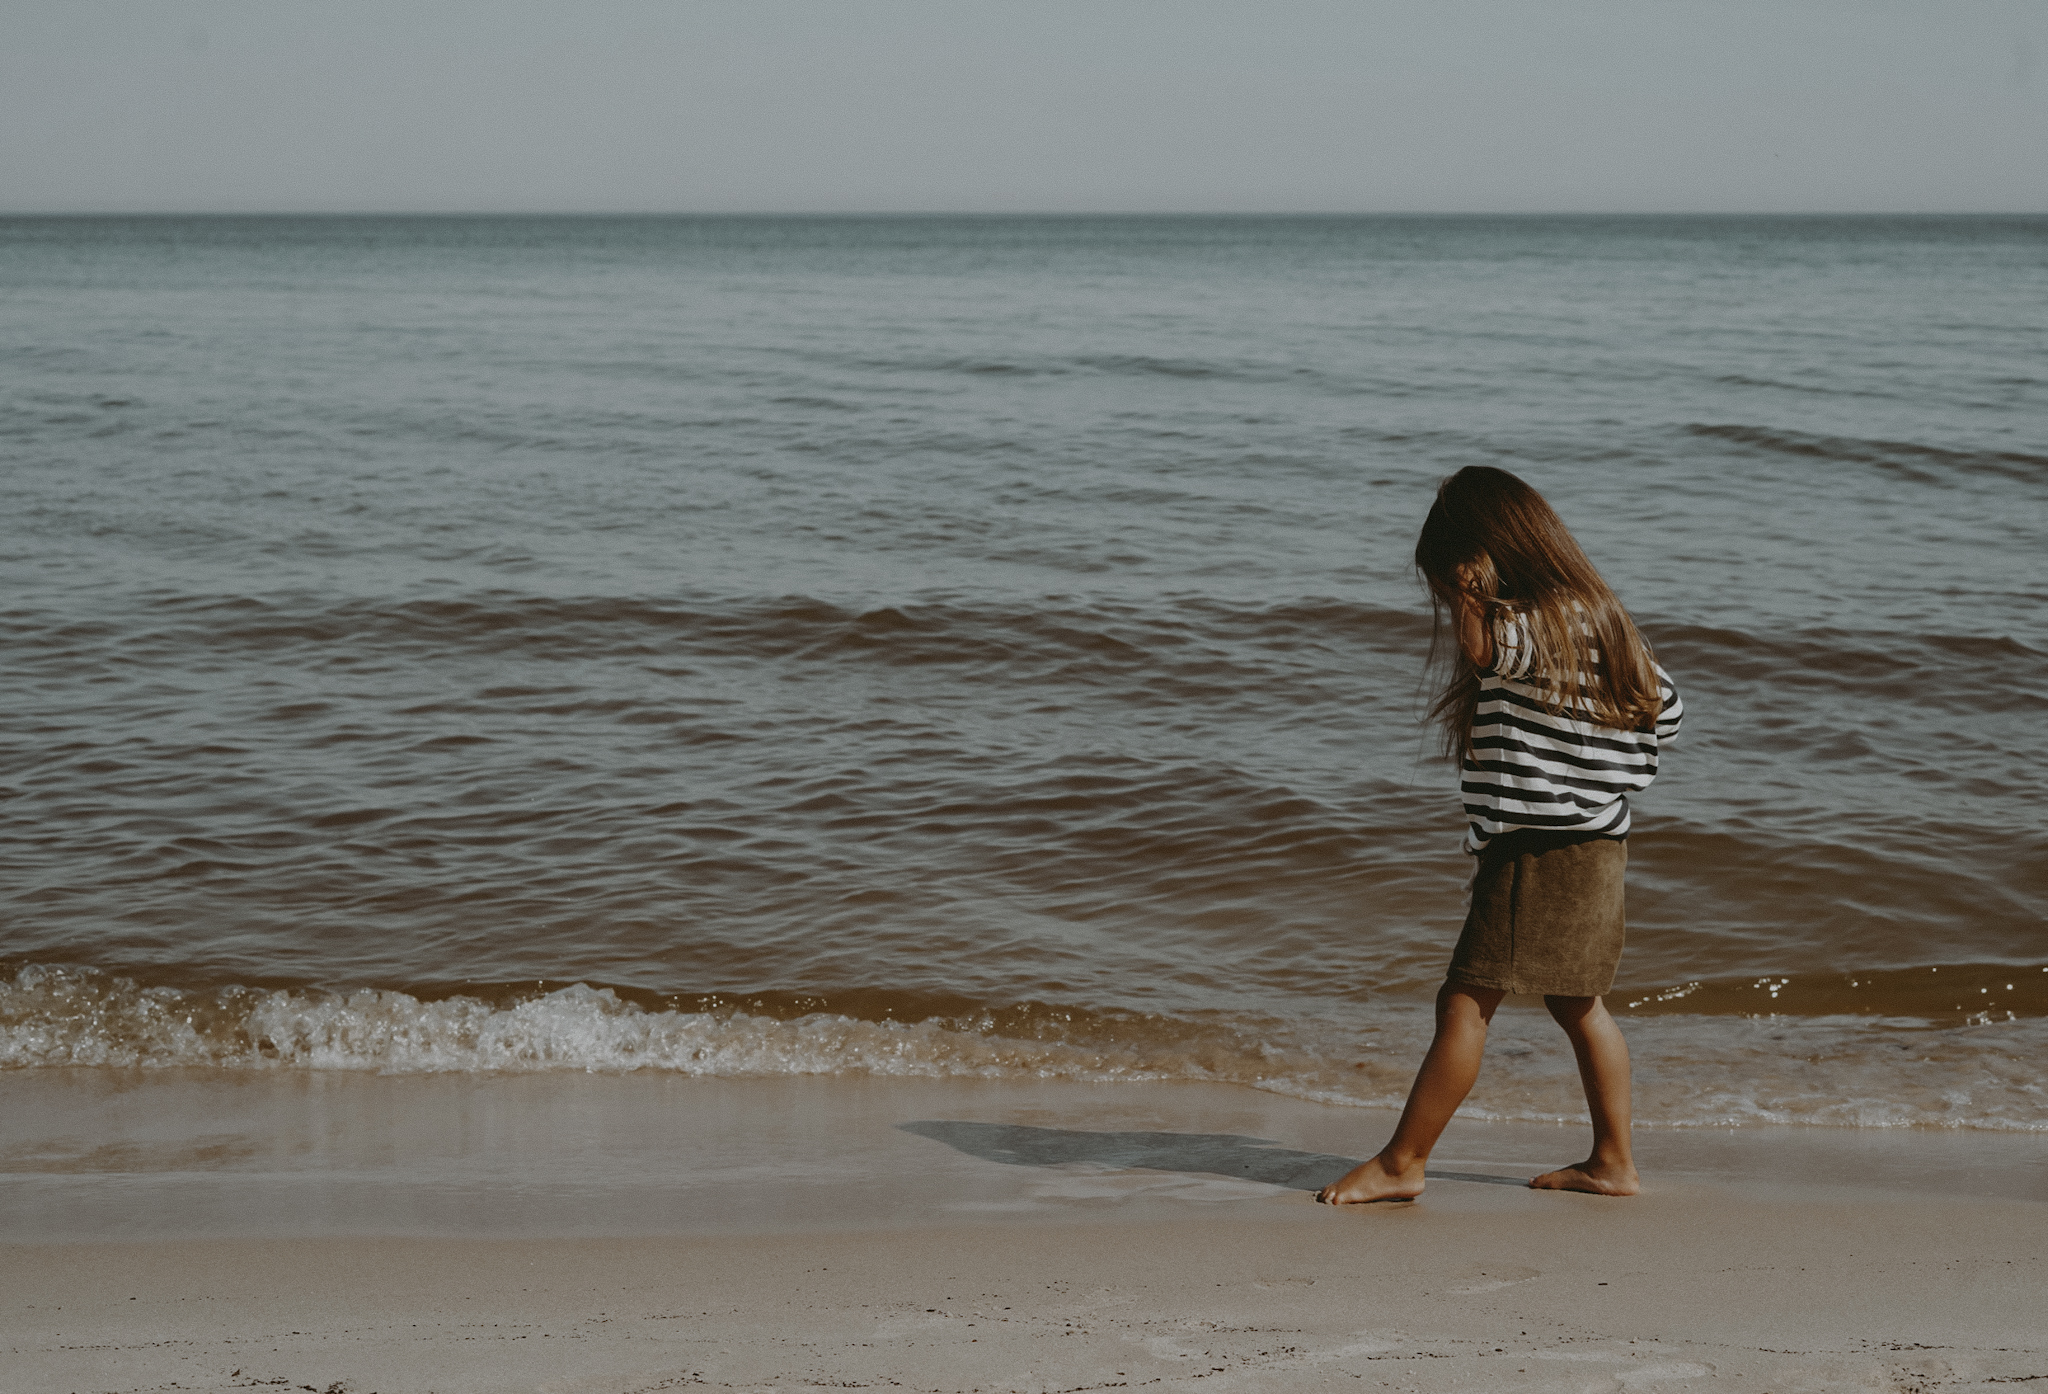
1493, 543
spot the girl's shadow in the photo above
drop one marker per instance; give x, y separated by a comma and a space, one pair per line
1210, 1154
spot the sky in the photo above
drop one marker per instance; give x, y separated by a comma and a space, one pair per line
1031, 105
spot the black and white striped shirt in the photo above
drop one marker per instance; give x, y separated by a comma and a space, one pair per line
1530, 768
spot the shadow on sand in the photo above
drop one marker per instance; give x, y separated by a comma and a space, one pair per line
1209, 1154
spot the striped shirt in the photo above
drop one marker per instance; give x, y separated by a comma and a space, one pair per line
1530, 768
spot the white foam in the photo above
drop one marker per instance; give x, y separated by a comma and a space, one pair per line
1691, 1071
51, 1016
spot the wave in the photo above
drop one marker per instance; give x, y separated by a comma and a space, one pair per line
1695, 1071
1052, 365
1178, 633
1959, 672
1885, 891
58, 1015
1177, 636
1923, 464
1785, 385
1311, 659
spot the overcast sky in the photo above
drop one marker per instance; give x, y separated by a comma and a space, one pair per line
1053, 105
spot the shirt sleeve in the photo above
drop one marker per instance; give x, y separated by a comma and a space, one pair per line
1673, 714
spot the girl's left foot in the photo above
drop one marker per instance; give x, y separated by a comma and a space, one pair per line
1600, 1178
1371, 1181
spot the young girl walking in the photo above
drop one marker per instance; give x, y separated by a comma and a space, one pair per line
1556, 711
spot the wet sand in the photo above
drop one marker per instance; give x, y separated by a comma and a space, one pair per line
622, 1234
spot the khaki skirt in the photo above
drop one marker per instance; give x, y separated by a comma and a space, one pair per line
1546, 915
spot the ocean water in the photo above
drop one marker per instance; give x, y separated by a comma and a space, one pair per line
988, 646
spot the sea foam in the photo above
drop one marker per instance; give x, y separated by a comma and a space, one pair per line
1692, 1071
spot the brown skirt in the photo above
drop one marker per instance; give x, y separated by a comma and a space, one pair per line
1546, 915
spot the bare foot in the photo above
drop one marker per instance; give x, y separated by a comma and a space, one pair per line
1600, 1178
1370, 1181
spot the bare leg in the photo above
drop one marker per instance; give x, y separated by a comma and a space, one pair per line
1603, 1067
1446, 1076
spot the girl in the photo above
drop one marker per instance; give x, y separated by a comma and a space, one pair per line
1555, 710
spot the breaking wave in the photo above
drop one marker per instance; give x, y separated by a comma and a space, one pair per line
1693, 1070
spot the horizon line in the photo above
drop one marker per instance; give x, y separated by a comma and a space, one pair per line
880, 213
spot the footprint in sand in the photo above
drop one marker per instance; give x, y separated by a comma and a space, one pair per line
1491, 1277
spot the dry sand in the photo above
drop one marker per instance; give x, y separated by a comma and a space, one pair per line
1005, 1247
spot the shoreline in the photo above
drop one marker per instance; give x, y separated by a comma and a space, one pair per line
600, 1235
1697, 1069
129, 1155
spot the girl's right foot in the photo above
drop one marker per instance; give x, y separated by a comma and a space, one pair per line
1373, 1180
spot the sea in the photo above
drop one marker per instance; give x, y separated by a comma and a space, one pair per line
989, 647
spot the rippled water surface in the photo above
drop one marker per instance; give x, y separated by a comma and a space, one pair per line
989, 645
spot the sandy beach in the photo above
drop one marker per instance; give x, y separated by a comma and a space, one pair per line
381, 1235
